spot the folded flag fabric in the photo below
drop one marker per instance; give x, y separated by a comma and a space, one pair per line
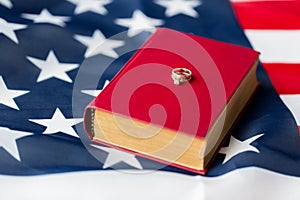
43, 148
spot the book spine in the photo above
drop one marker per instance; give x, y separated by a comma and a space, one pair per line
89, 119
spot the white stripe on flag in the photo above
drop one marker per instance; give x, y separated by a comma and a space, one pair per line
247, 184
292, 101
276, 46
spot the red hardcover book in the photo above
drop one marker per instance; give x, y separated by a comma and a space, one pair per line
143, 112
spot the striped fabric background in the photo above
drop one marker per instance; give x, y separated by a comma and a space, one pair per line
273, 28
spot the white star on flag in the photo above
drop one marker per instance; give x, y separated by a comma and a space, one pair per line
95, 93
175, 7
236, 147
96, 6
139, 23
8, 29
98, 44
46, 17
58, 123
52, 68
7, 96
8, 141
6, 3
115, 156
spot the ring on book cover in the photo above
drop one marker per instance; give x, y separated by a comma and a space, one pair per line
181, 75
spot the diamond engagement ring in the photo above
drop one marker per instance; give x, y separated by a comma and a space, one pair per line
181, 75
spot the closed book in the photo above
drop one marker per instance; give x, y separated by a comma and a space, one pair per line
145, 112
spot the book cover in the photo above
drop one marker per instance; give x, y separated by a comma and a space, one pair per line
143, 110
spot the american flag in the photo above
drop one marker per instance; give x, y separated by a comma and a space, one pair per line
44, 151
274, 29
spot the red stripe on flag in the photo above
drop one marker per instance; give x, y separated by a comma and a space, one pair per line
268, 14
285, 77
274, 15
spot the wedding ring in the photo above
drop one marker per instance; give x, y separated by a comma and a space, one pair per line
181, 75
